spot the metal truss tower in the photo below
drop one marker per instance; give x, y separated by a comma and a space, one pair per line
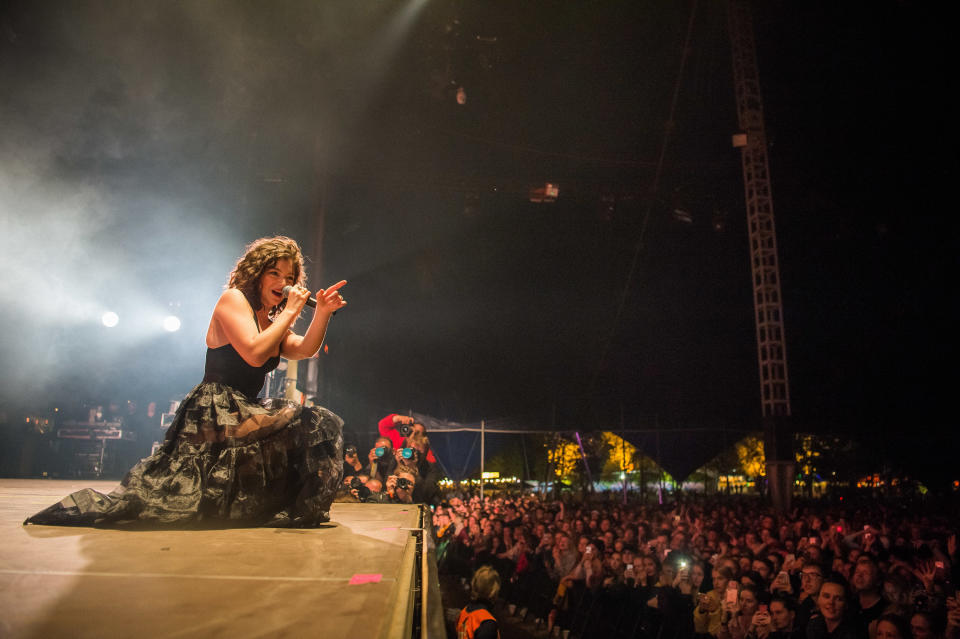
752, 140
764, 266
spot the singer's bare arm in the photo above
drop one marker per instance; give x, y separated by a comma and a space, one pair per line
303, 346
233, 321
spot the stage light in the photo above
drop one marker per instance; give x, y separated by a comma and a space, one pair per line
171, 323
110, 319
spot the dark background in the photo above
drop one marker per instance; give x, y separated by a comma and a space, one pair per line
144, 144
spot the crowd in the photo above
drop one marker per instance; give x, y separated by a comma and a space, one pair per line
716, 567
709, 567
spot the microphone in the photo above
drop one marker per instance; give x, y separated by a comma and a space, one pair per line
312, 303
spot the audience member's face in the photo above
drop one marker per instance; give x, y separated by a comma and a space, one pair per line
887, 630
582, 544
748, 603
920, 627
781, 618
719, 581
864, 577
811, 577
893, 593
761, 567
649, 566
615, 562
831, 602
669, 573
696, 575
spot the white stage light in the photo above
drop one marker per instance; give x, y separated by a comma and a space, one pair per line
171, 323
110, 319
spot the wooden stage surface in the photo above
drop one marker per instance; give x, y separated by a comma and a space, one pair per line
350, 578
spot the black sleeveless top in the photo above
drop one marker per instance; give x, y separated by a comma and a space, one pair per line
225, 366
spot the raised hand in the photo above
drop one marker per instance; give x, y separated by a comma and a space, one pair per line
329, 300
926, 573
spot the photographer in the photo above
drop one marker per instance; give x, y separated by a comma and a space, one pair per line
351, 462
397, 427
430, 472
361, 488
380, 460
401, 485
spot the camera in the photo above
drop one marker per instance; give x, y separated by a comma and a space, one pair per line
380, 451
405, 429
403, 483
350, 450
362, 491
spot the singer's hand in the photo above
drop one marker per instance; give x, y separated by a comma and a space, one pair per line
297, 297
329, 300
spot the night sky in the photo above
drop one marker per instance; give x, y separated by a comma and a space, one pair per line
144, 144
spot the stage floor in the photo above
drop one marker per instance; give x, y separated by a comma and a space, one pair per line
349, 578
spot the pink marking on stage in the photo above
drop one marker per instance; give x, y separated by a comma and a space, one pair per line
361, 578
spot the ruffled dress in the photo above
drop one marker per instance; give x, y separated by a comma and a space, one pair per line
228, 460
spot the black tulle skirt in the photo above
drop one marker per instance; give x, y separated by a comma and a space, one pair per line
226, 460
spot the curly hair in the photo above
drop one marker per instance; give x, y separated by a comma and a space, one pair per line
258, 257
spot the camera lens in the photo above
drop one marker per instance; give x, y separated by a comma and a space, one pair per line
379, 451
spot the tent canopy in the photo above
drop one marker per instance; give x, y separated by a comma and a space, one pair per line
679, 451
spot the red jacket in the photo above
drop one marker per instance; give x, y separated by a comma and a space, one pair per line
388, 429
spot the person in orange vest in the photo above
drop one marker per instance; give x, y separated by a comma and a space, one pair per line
476, 619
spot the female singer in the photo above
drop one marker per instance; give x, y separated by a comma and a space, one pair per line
228, 457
